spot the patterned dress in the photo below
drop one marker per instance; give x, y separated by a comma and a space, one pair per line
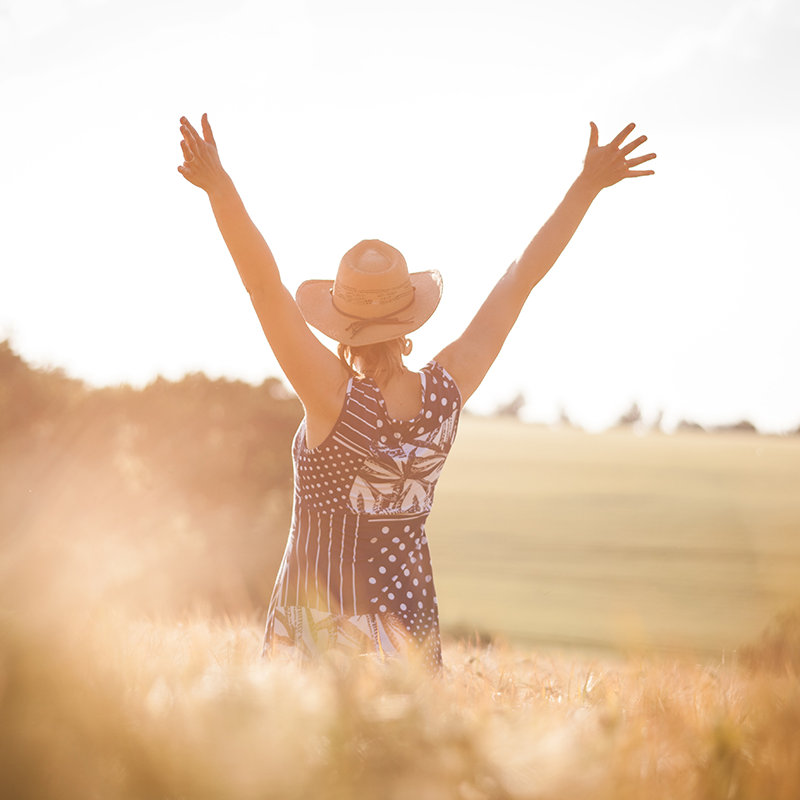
356, 573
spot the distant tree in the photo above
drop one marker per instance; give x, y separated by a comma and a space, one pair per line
189, 481
32, 397
687, 425
743, 426
630, 417
512, 408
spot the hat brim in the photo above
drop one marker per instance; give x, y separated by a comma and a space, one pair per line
316, 305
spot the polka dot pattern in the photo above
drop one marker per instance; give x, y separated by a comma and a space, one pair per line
324, 476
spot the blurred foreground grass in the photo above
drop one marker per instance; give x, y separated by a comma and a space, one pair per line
114, 708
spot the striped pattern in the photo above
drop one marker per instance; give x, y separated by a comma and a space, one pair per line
357, 548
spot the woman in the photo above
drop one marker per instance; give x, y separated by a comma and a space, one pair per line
356, 572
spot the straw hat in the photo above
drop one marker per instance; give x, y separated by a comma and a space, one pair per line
373, 299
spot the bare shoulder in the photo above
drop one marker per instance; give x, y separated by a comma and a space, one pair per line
454, 360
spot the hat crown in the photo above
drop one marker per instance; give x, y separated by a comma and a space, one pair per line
372, 281
372, 261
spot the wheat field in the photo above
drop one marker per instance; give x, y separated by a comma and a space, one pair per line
620, 621
115, 708
608, 541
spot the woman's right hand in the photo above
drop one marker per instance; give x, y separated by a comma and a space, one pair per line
201, 165
604, 166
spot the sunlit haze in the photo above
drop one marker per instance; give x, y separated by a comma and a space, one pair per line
448, 129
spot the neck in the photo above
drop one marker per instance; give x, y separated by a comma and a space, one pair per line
385, 373
398, 369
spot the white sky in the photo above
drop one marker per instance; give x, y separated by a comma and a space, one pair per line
450, 130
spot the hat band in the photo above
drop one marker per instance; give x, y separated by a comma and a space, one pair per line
378, 296
387, 319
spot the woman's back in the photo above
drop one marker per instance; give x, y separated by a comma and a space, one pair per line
401, 393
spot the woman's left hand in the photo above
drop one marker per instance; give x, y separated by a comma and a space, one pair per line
604, 166
201, 165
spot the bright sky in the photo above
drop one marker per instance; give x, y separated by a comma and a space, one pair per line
449, 129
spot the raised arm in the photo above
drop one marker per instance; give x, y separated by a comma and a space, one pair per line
315, 373
468, 358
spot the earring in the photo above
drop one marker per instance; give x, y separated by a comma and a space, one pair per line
408, 346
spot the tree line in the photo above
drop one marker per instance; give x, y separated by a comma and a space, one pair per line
161, 498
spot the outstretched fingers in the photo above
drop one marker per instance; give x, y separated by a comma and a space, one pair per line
629, 163
190, 129
193, 140
622, 135
191, 145
634, 162
631, 146
638, 173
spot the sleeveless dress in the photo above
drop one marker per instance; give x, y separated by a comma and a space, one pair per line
356, 573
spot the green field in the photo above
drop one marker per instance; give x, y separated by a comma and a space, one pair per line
562, 538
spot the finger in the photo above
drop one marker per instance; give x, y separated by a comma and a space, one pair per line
622, 135
189, 172
594, 136
634, 162
192, 132
189, 175
208, 134
193, 144
188, 144
638, 173
631, 146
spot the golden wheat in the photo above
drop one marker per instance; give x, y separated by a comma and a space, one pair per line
114, 708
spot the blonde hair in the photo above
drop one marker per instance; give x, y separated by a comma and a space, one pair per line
378, 361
